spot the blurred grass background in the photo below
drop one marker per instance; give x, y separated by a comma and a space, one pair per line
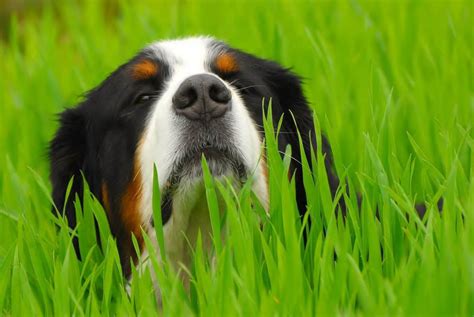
391, 83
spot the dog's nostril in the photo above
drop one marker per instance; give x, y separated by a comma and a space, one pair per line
185, 97
219, 93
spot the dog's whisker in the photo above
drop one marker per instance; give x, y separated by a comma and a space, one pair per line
247, 87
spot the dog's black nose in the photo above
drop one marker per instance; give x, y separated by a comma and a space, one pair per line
202, 97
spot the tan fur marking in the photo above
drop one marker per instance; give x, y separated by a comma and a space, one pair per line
130, 220
144, 69
226, 63
131, 205
105, 197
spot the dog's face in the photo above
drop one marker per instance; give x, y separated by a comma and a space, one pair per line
172, 103
193, 94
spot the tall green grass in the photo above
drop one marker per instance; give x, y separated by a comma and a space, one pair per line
391, 84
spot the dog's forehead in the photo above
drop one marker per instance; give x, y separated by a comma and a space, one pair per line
194, 51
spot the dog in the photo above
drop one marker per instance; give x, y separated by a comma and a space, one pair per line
173, 102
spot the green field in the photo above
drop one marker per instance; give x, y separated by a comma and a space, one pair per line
392, 86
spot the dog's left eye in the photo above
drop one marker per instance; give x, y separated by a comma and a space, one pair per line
144, 98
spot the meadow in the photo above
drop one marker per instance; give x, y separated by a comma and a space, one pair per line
392, 86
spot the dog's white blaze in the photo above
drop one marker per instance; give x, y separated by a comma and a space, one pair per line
161, 140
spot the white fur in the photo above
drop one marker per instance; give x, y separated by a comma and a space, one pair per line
162, 138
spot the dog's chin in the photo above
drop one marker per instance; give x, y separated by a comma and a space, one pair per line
222, 163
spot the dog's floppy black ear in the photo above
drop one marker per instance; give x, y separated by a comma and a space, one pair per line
67, 157
289, 101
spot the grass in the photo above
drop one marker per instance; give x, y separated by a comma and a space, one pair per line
391, 84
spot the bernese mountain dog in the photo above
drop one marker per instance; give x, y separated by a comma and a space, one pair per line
173, 102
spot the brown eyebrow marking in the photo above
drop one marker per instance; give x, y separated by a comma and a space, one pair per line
226, 63
144, 69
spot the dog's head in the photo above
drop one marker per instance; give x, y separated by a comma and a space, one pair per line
169, 105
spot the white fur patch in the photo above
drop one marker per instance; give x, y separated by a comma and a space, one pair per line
162, 142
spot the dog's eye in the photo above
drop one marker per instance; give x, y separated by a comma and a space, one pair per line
144, 98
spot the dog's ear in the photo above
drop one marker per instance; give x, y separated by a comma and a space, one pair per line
288, 98
67, 158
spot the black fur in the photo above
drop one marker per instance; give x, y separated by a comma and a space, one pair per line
258, 78
98, 138
67, 156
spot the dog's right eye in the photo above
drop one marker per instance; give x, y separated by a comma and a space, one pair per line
145, 98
